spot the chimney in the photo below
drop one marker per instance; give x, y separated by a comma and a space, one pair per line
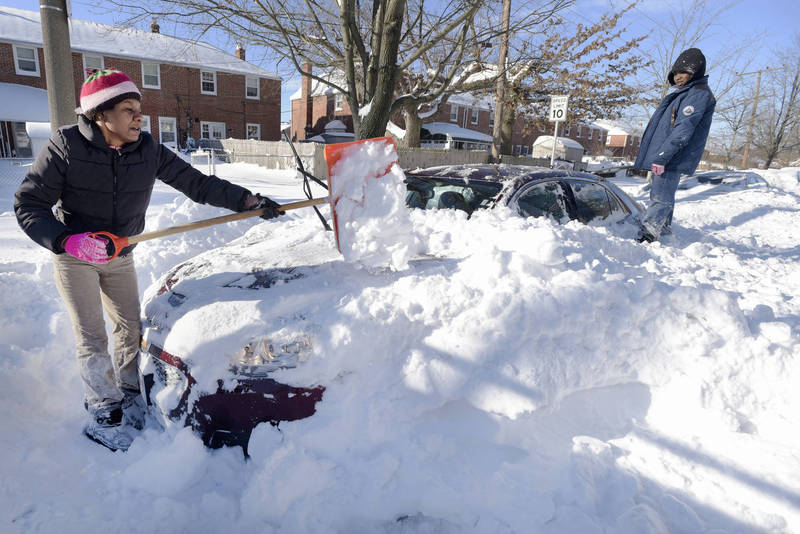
306, 101
239, 51
154, 27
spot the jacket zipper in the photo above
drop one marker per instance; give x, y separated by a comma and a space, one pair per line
114, 166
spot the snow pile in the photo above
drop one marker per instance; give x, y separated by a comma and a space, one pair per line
787, 178
368, 192
528, 377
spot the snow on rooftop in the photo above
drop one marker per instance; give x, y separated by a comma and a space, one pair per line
319, 88
547, 142
485, 102
21, 103
454, 131
613, 127
24, 27
335, 126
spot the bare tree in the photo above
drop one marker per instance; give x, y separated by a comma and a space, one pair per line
464, 63
780, 118
734, 118
688, 24
595, 64
370, 45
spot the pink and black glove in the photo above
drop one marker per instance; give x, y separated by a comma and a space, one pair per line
86, 248
658, 169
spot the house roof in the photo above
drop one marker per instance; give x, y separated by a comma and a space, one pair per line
24, 27
318, 88
547, 142
21, 103
456, 132
480, 101
613, 127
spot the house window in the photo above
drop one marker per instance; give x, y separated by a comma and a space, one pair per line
453, 113
254, 131
251, 88
566, 129
338, 101
491, 118
146, 123
151, 75
208, 82
92, 63
167, 131
26, 61
212, 130
475, 115
591, 131
578, 131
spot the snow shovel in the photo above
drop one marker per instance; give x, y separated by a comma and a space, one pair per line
337, 152
333, 154
118, 243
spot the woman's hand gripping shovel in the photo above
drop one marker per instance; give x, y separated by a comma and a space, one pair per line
118, 243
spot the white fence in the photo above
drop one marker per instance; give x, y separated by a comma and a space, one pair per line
279, 155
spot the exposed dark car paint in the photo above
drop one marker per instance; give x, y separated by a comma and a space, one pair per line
227, 417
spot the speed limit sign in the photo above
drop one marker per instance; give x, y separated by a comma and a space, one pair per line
558, 107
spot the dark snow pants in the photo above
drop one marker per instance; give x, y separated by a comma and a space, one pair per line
87, 290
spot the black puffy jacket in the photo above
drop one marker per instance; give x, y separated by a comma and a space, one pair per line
95, 187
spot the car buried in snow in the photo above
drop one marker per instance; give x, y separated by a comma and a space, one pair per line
531, 191
221, 329
213, 338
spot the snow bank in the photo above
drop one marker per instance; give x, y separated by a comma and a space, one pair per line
530, 377
367, 190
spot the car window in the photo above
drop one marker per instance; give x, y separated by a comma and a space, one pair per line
591, 200
543, 200
432, 193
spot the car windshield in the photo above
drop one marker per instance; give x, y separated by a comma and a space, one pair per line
437, 193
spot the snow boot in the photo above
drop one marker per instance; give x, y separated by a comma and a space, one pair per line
133, 409
105, 428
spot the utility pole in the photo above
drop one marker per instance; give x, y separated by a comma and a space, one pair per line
58, 63
497, 131
753, 115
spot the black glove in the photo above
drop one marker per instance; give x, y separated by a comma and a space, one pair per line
270, 207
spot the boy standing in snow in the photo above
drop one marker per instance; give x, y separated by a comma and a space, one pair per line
675, 138
100, 174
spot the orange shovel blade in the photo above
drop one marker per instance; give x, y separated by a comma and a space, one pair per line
339, 151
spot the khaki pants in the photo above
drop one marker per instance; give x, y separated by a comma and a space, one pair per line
87, 290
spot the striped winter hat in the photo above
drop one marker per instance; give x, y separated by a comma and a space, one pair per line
103, 89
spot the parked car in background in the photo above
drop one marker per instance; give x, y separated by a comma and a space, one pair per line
731, 179
531, 191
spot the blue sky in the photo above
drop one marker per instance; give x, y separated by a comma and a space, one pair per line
776, 18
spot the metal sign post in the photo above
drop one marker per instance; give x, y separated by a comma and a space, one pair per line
558, 113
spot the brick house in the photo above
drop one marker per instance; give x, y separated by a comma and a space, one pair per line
315, 105
189, 89
623, 142
465, 121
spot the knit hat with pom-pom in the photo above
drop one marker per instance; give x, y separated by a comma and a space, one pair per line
103, 89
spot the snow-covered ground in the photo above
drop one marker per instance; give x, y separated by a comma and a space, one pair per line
555, 379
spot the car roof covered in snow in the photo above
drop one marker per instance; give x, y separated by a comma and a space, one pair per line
495, 172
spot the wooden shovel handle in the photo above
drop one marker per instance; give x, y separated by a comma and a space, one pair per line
119, 243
